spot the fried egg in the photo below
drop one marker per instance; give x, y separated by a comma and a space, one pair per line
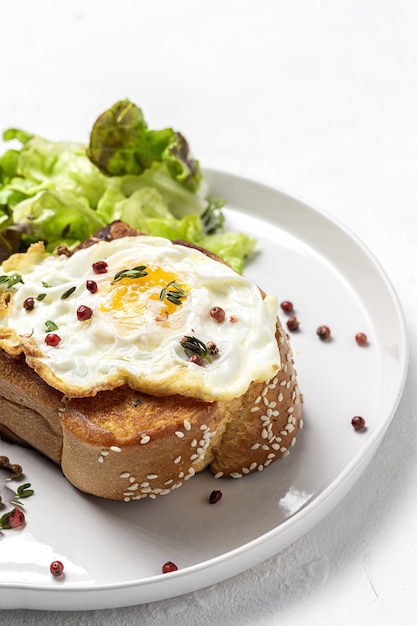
138, 311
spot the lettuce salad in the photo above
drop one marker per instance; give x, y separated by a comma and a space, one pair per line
62, 192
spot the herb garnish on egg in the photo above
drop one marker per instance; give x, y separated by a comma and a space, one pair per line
174, 295
11, 280
135, 272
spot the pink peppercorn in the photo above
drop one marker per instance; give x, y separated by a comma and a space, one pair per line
52, 339
84, 313
358, 422
91, 286
29, 304
323, 332
100, 267
56, 568
215, 496
169, 567
293, 323
217, 314
287, 306
361, 339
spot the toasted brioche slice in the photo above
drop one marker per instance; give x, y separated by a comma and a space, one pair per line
125, 445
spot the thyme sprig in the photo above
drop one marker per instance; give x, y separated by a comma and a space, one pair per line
192, 346
11, 280
50, 326
23, 491
68, 292
173, 292
135, 272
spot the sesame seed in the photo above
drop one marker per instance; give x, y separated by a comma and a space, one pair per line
100, 459
255, 446
104, 452
275, 446
300, 423
260, 468
145, 439
254, 409
283, 383
283, 449
124, 475
179, 434
293, 442
177, 460
264, 433
245, 470
152, 496
187, 425
271, 456
193, 443
258, 399
218, 475
164, 492
145, 484
132, 479
193, 457
264, 391
291, 409
203, 427
252, 466
200, 451
133, 487
280, 397
169, 482
115, 449
236, 475
146, 490
265, 446
268, 462
126, 499
180, 476
152, 476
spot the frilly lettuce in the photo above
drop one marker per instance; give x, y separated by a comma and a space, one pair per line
62, 192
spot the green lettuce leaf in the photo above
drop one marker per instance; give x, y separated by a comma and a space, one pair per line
61, 192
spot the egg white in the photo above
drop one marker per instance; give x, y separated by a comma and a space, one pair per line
132, 336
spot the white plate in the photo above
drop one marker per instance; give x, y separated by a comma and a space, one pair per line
113, 552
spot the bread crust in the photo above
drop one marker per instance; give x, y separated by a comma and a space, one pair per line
127, 445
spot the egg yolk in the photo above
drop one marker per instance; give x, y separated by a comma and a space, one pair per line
133, 297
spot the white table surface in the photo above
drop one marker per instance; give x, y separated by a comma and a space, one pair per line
319, 99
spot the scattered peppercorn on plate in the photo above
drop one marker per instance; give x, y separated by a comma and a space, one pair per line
347, 332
